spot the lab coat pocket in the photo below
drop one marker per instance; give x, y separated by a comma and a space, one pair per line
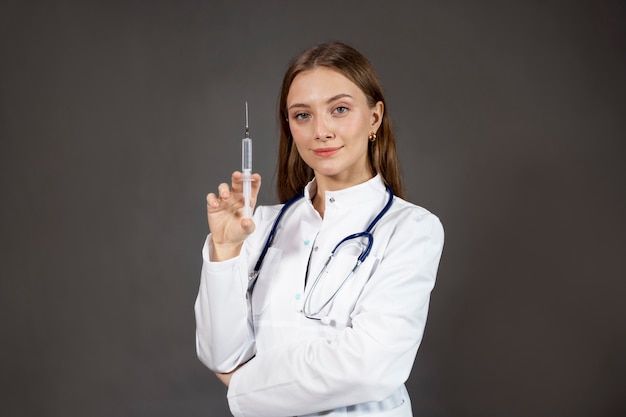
262, 292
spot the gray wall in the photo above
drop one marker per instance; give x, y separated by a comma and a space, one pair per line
117, 117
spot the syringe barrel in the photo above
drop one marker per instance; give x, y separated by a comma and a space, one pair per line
246, 155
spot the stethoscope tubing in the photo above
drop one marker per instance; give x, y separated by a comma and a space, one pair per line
367, 233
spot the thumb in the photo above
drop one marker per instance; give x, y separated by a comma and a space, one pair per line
247, 224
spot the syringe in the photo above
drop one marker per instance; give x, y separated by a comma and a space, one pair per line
246, 168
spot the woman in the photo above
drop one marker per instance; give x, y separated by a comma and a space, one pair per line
303, 337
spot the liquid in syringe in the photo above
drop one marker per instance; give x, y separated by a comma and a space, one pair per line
246, 168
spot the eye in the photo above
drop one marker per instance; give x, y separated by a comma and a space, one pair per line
301, 116
341, 110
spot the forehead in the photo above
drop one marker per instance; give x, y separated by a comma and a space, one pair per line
321, 83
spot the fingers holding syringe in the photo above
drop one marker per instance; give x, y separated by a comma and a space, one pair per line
240, 188
224, 217
220, 205
255, 184
230, 197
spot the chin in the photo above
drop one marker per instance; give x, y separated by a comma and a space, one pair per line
328, 172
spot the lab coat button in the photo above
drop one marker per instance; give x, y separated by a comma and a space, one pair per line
332, 199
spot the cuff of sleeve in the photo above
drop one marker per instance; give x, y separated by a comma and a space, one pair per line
213, 265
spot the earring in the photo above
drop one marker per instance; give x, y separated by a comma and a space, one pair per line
372, 137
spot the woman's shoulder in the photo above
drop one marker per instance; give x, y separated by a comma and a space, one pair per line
403, 206
263, 212
410, 215
271, 210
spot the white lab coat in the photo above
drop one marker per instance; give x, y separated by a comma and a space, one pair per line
296, 366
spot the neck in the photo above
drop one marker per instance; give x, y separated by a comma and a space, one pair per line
340, 182
319, 202
324, 184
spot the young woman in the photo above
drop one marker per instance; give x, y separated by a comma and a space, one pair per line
291, 329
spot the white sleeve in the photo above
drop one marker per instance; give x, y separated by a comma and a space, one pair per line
224, 334
365, 362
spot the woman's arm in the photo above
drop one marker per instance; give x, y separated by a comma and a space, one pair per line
224, 334
365, 362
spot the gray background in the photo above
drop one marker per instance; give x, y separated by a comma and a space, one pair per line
117, 117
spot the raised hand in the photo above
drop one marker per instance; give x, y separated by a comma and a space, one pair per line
225, 216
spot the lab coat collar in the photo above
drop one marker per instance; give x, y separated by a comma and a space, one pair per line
350, 197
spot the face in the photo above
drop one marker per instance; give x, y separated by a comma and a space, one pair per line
330, 121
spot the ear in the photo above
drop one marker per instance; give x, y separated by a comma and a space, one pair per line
377, 115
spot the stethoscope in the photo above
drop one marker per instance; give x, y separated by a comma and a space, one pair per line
308, 310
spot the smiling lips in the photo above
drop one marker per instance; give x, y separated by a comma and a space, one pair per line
326, 152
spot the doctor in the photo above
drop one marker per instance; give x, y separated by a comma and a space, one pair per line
310, 334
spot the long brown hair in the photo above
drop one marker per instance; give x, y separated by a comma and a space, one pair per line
293, 172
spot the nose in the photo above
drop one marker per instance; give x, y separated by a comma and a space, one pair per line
323, 130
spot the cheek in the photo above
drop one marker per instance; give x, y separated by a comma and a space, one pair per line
357, 125
298, 139
298, 134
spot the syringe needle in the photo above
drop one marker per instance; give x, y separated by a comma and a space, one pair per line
246, 168
247, 130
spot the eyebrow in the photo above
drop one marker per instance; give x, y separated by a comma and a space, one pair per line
330, 100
